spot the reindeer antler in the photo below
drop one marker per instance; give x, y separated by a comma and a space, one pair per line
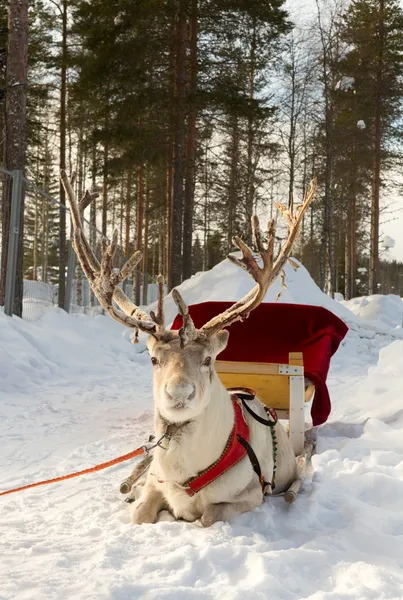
265, 275
101, 276
105, 282
188, 331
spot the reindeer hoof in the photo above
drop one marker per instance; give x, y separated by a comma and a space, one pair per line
207, 521
141, 514
211, 515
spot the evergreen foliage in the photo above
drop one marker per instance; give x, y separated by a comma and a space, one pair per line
188, 116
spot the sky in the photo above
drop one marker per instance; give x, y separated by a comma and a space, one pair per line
391, 224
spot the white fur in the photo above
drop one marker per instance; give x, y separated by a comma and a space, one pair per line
201, 442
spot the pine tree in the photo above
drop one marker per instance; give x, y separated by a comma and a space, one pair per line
374, 31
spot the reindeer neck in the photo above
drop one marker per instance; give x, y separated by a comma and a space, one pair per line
196, 444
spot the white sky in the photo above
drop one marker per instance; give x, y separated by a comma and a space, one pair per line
301, 10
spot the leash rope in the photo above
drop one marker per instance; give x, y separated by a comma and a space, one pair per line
100, 467
110, 463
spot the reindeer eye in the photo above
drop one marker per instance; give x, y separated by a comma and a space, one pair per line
207, 362
154, 361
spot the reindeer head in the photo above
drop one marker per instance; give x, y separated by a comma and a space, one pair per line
183, 361
182, 376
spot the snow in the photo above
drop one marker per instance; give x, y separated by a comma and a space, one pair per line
388, 242
75, 393
345, 84
226, 281
386, 309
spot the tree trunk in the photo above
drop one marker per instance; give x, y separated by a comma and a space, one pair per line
80, 192
250, 187
291, 139
304, 180
160, 253
62, 159
35, 248
15, 147
127, 212
206, 228
45, 209
168, 221
167, 229
327, 249
233, 181
191, 149
93, 212
311, 228
179, 144
145, 256
353, 244
105, 190
122, 204
139, 228
376, 183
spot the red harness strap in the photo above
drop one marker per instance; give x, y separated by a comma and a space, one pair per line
233, 453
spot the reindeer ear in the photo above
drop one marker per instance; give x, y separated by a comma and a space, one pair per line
219, 341
151, 342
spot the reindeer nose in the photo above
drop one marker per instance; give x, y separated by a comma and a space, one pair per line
182, 390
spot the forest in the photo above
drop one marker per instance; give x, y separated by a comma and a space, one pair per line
189, 116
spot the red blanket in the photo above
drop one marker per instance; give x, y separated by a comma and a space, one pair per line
273, 330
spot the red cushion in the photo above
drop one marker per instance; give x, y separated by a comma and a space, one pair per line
272, 331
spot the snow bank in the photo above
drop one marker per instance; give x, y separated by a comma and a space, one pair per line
57, 344
380, 394
386, 309
226, 281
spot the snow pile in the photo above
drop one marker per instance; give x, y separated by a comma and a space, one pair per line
386, 309
227, 282
75, 394
57, 345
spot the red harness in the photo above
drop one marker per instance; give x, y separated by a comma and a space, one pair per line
233, 453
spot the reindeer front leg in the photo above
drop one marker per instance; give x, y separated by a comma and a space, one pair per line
147, 507
225, 511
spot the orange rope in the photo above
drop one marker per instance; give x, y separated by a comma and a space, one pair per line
99, 467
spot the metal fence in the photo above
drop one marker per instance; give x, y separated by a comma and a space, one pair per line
39, 269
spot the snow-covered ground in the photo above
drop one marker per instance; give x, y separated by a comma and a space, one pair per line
74, 392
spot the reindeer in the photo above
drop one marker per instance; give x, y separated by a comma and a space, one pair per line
195, 416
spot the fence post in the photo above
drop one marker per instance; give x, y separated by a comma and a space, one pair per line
13, 239
71, 267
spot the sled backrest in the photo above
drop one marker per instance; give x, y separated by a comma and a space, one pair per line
270, 381
280, 386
